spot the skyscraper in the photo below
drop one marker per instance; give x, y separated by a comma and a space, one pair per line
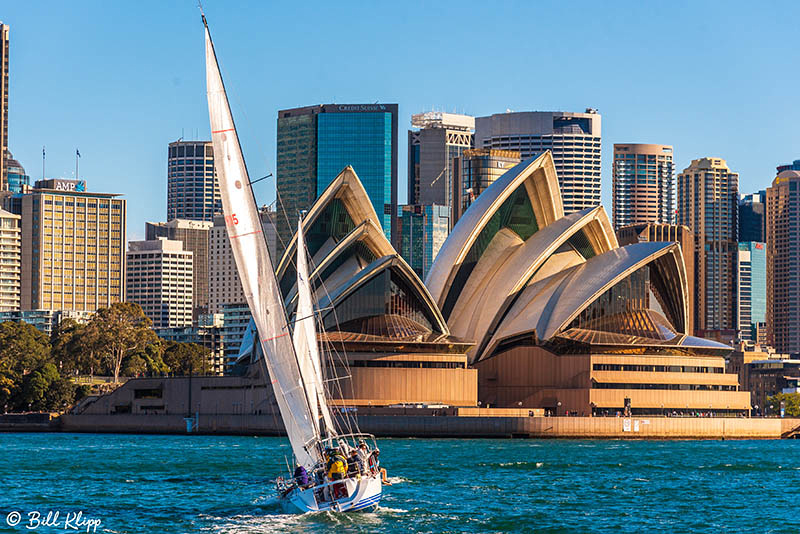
475, 170
315, 143
10, 261
422, 229
73, 252
224, 286
431, 149
195, 238
4, 155
17, 180
752, 217
192, 185
708, 193
573, 138
159, 279
643, 184
751, 288
783, 262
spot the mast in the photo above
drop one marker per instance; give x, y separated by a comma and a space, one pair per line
255, 269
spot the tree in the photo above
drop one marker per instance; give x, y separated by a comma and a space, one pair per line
183, 358
791, 400
120, 330
45, 389
22, 348
65, 344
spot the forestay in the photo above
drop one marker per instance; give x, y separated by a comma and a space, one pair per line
255, 269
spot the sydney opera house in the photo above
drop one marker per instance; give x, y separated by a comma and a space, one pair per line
523, 307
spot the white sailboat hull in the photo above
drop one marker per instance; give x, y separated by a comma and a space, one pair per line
363, 495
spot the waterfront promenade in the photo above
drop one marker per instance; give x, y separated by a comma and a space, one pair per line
470, 424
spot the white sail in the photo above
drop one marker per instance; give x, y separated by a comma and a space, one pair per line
305, 337
256, 271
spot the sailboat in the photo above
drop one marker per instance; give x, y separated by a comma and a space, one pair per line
291, 355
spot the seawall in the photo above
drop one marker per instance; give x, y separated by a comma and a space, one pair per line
422, 426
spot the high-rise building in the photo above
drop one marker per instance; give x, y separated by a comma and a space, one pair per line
793, 166
17, 180
159, 279
315, 143
423, 229
431, 149
653, 232
643, 184
73, 251
224, 286
10, 261
783, 262
192, 185
752, 217
573, 138
708, 193
751, 288
195, 238
4, 155
475, 170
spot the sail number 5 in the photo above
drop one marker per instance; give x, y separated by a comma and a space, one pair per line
231, 220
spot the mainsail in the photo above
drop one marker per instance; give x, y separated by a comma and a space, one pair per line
256, 271
305, 337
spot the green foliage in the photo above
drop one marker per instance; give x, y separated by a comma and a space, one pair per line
791, 400
45, 389
183, 358
152, 355
22, 348
118, 331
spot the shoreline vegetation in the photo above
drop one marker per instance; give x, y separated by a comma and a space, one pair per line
50, 374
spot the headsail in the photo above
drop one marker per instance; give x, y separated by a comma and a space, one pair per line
305, 337
255, 269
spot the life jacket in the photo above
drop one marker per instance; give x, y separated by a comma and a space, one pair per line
337, 464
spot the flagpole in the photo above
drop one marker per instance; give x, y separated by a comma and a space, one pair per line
43, 162
77, 155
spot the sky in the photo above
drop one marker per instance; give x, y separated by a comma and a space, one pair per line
120, 80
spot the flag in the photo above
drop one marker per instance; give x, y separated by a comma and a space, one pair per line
77, 152
42, 151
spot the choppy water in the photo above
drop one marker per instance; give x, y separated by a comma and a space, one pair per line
182, 484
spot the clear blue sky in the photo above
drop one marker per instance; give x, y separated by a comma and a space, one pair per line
119, 80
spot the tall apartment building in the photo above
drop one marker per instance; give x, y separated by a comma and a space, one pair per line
159, 279
783, 262
316, 142
17, 180
73, 251
643, 184
475, 170
751, 288
195, 238
10, 261
708, 193
4, 42
431, 149
573, 138
224, 286
752, 217
654, 232
423, 229
192, 185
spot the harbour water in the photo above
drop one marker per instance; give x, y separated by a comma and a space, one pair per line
221, 484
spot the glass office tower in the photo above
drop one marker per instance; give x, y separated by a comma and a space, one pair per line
315, 143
